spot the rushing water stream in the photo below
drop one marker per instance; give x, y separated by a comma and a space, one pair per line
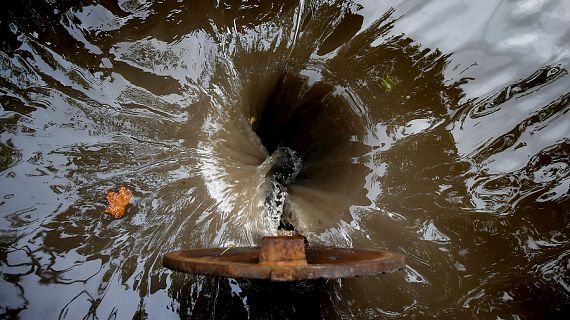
437, 129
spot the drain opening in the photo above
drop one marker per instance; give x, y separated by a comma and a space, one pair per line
301, 126
286, 166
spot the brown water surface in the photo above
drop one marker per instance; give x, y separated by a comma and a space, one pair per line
435, 129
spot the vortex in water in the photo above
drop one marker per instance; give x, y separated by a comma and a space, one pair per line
436, 130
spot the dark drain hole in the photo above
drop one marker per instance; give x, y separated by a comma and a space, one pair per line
300, 125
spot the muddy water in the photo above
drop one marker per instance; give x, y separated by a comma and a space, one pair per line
437, 130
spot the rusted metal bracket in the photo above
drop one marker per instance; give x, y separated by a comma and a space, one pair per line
284, 258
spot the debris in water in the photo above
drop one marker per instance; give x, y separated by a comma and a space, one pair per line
118, 202
387, 83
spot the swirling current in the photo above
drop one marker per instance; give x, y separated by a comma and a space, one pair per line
436, 129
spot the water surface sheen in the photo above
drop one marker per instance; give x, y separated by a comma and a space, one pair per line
436, 129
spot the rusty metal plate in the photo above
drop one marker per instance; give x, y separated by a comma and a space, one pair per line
321, 262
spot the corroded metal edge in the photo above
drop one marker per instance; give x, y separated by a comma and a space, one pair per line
212, 262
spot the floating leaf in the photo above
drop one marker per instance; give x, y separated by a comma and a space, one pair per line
118, 202
387, 83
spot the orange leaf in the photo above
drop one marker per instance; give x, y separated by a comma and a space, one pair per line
118, 202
